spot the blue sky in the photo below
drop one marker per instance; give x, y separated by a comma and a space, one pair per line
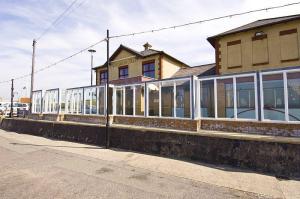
23, 20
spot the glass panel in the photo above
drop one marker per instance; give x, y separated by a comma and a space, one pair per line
87, 100
80, 101
94, 101
129, 100
293, 83
119, 101
245, 92
139, 100
63, 101
225, 98
273, 97
183, 98
167, 96
153, 94
101, 91
207, 96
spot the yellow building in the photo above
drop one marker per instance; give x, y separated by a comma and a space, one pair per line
263, 44
130, 66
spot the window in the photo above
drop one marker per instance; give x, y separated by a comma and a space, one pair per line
123, 72
225, 98
293, 85
273, 102
103, 77
139, 100
234, 54
183, 98
167, 94
119, 101
129, 100
245, 92
153, 96
207, 98
149, 69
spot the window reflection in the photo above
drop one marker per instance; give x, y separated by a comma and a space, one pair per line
245, 97
293, 84
225, 98
129, 100
153, 93
273, 97
167, 95
139, 100
207, 98
183, 98
119, 101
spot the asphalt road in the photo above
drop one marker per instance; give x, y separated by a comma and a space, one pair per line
32, 167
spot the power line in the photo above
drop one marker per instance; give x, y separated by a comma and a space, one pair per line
203, 21
56, 20
57, 62
154, 30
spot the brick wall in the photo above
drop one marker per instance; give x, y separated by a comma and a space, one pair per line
179, 124
253, 127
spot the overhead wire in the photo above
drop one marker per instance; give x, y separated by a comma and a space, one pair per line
56, 20
203, 21
149, 31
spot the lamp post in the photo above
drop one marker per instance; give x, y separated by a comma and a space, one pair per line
92, 51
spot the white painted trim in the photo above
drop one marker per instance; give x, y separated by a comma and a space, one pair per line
286, 99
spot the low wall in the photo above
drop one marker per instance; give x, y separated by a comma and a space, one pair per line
91, 119
169, 123
264, 156
253, 127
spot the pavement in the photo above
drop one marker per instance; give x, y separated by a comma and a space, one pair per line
37, 167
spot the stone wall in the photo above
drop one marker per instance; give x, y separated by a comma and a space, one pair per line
252, 127
169, 123
276, 158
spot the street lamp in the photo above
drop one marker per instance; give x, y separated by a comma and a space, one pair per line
92, 51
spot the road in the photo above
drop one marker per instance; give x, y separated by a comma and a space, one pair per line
36, 167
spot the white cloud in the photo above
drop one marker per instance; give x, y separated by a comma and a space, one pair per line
21, 22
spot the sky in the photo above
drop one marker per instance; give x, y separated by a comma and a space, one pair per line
21, 21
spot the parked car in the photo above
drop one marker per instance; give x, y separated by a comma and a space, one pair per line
18, 109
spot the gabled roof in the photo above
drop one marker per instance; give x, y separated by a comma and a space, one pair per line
141, 54
254, 25
202, 70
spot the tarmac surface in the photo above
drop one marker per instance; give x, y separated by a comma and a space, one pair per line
36, 167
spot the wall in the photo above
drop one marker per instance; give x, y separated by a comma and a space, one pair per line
252, 127
276, 50
134, 66
169, 67
281, 159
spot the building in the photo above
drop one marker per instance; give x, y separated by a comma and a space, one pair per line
255, 82
264, 44
130, 66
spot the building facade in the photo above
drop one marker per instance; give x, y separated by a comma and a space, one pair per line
130, 66
264, 44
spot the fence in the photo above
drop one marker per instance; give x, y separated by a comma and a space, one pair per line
268, 95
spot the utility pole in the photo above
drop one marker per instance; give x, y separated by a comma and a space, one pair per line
11, 99
32, 73
92, 51
107, 91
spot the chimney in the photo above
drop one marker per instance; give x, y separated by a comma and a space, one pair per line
147, 46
